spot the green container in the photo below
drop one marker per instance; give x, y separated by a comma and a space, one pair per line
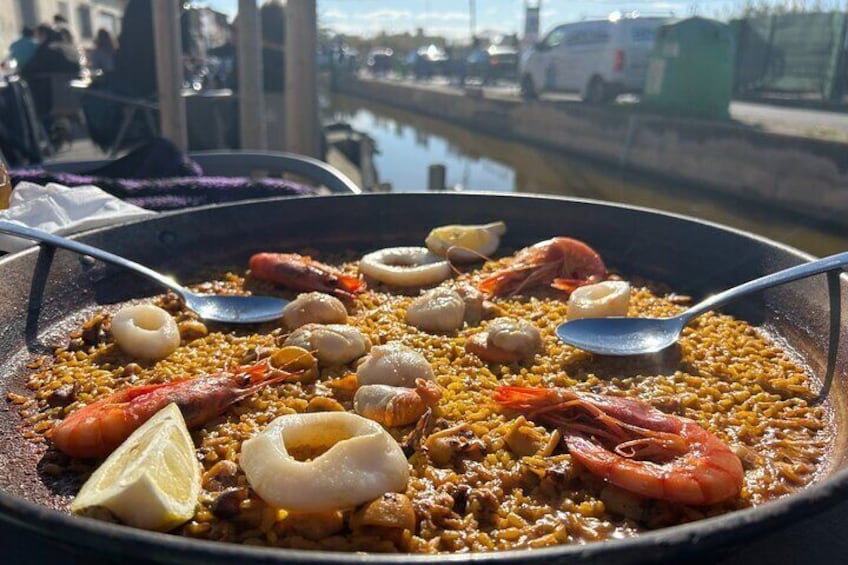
690, 70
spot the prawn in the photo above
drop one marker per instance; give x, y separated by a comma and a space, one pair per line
302, 273
633, 445
396, 406
561, 262
97, 429
505, 341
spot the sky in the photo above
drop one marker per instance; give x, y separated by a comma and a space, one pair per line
451, 18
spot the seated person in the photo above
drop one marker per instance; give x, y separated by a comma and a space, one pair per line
22, 49
53, 55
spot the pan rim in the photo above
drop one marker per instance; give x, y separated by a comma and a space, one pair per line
819, 496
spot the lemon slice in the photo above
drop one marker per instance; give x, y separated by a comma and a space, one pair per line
151, 481
468, 242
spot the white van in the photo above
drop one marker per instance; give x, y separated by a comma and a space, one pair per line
600, 59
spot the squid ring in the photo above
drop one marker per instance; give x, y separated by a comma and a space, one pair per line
405, 266
145, 331
599, 300
362, 462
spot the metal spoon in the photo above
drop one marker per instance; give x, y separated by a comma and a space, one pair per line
227, 309
635, 336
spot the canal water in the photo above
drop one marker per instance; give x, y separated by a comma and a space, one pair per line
408, 143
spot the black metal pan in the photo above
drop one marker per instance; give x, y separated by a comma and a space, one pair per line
41, 289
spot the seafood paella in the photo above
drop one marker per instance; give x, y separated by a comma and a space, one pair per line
417, 399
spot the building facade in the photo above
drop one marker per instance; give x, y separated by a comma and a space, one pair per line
84, 18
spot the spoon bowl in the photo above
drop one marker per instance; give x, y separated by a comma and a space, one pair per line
211, 307
636, 336
621, 336
234, 309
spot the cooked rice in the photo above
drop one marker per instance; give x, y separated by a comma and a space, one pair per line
728, 376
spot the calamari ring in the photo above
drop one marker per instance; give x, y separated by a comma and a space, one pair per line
405, 266
599, 300
363, 462
145, 331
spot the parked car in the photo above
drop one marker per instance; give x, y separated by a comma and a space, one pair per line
600, 59
493, 63
380, 60
426, 62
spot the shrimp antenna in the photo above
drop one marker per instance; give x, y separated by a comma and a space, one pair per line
461, 248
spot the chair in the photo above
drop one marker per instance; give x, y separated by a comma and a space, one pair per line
244, 164
22, 135
66, 100
128, 111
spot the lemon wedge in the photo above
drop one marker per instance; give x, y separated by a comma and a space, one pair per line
151, 481
466, 243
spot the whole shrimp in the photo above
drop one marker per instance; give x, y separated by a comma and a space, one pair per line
97, 429
561, 262
635, 446
302, 273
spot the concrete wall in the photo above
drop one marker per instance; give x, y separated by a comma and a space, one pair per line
802, 175
11, 22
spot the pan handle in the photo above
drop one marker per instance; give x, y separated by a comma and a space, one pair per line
65, 243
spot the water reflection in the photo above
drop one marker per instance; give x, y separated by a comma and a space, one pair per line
407, 149
409, 143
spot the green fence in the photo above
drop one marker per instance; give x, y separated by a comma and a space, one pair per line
799, 54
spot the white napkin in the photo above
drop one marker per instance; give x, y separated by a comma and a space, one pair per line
58, 209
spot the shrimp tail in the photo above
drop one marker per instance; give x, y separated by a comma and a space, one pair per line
350, 285
567, 285
520, 397
260, 375
499, 283
489, 284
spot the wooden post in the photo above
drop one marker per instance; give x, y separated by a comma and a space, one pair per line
169, 71
5, 186
303, 127
436, 177
251, 100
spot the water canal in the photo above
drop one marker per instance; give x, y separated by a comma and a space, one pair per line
408, 143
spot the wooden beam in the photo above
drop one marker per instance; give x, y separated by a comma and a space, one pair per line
251, 100
169, 71
303, 127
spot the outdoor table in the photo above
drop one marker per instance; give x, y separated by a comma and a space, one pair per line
211, 115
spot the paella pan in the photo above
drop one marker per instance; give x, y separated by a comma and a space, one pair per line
664, 258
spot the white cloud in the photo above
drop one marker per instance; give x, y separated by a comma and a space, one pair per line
450, 24
332, 14
379, 16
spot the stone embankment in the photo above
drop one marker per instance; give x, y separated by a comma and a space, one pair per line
802, 175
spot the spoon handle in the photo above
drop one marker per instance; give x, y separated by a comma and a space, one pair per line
82, 248
804, 270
